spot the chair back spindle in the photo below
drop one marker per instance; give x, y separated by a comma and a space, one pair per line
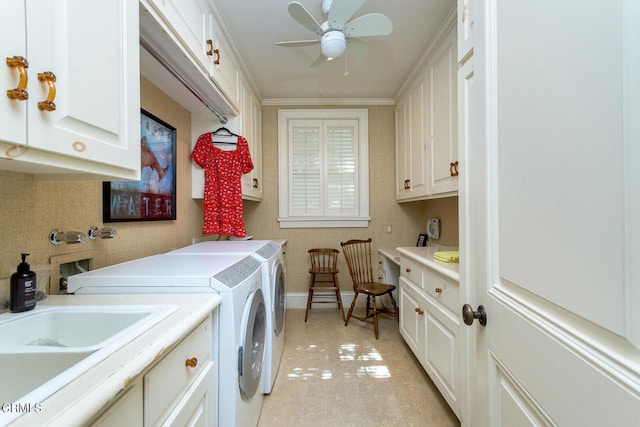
358, 256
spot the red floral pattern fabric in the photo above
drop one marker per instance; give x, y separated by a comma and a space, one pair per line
223, 170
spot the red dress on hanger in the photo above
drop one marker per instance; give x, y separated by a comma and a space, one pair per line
223, 170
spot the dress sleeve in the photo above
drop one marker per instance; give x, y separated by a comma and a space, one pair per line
246, 162
200, 151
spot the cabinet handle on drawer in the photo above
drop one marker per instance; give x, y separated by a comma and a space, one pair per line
408, 270
50, 79
256, 183
20, 93
438, 290
419, 311
192, 363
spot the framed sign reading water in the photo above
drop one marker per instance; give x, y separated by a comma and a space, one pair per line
154, 196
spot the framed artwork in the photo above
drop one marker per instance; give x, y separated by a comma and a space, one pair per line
422, 240
154, 196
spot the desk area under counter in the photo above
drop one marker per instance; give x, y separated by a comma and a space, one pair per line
430, 316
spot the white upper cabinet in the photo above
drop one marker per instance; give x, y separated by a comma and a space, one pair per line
81, 119
192, 23
251, 125
411, 143
465, 29
443, 134
225, 71
426, 127
195, 32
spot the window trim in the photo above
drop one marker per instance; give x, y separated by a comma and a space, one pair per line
289, 221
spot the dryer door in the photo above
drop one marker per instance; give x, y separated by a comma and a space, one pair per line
279, 297
252, 340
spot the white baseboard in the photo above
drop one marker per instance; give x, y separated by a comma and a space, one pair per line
298, 300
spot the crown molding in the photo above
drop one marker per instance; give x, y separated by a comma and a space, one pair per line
328, 101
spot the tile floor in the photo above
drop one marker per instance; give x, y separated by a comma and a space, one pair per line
332, 375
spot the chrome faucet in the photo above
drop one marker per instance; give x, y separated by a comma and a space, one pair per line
58, 236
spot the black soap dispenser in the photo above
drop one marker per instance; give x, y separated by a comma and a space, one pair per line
23, 288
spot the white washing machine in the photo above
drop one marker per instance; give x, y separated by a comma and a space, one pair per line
274, 287
240, 337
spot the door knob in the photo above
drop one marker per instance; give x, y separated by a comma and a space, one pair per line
468, 315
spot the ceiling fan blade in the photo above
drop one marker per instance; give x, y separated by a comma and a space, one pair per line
369, 25
341, 11
319, 60
302, 15
357, 49
298, 43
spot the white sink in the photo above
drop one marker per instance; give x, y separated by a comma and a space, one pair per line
44, 349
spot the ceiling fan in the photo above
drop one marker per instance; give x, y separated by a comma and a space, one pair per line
337, 33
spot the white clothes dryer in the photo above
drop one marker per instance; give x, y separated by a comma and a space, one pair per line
274, 286
240, 335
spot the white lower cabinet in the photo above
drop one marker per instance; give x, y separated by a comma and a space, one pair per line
126, 411
181, 385
430, 326
179, 390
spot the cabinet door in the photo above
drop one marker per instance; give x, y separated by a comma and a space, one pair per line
412, 318
465, 29
13, 112
225, 72
419, 185
441, 351
126, 411
256, 180
197, 406
92, 49
402, 148
443, 134
251, 120
192, 22
411, 156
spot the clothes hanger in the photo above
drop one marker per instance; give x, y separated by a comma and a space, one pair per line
224, 132
223, 129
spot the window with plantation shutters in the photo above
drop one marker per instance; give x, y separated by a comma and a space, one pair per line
323, 167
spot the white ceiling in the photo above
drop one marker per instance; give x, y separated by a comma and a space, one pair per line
279, 72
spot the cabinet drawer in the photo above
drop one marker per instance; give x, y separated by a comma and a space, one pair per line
411, 271
442, 290
197, 407
167, 380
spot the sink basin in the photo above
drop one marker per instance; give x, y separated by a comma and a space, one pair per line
71, 327
44, 349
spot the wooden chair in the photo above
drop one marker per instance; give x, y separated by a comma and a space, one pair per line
358, 256
324, 262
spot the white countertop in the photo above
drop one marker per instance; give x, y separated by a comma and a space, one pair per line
78, 402
424, 255
391, 254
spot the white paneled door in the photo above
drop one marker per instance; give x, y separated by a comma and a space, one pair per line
552, 216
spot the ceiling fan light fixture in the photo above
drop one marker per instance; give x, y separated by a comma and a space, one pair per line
333, 44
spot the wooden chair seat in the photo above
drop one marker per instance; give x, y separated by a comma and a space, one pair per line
373, 288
